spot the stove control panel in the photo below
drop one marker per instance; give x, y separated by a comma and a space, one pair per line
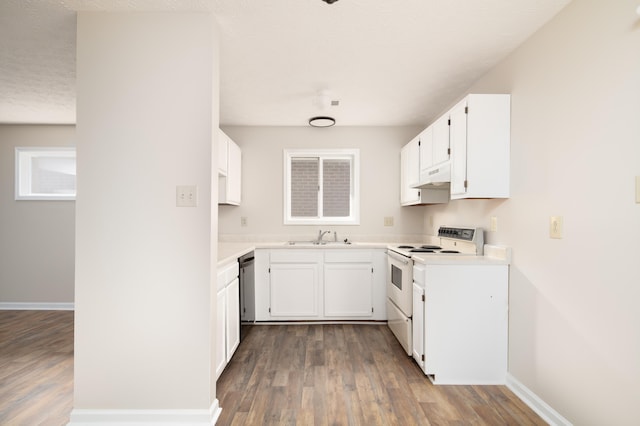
465, 234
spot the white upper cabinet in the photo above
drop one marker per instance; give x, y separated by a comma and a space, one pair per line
223, 153
480, 140
467, 149
410, 172
434, 145
229, 178
426, 149
440, 144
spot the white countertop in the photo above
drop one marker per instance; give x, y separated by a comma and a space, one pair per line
230, 251
494, 255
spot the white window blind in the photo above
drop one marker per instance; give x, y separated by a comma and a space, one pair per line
45, 174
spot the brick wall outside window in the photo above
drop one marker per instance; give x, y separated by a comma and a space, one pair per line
304, 187
337, 188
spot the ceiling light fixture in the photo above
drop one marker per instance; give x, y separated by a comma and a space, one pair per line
330, 1
322, 121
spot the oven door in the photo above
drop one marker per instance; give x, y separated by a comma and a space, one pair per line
400, 281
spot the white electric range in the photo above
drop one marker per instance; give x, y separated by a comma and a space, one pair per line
452, 241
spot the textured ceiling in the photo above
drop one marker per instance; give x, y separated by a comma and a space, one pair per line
388, 62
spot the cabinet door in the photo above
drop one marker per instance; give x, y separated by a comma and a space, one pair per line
426, 149
458, 141
418, 325
230, 183
232, 318
221, 326
294, 290
348, 290
223, 153
234, 174
441, 140
409, 173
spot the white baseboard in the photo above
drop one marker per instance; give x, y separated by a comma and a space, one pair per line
215, 411
20, 306
534, 402
83, 417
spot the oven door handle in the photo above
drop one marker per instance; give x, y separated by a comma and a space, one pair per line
398, 257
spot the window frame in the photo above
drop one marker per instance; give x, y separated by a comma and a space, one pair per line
353, 155
23, 172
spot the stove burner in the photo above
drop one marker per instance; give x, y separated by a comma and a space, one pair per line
449, 251
428, 247
405, 247
422, 250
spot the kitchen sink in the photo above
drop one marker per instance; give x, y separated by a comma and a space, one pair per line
316, 243
303, 243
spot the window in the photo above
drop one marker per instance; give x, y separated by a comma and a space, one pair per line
45, 173
322, 187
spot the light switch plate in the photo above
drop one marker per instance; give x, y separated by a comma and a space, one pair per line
243, 221
186, 196
555, 227
638, 189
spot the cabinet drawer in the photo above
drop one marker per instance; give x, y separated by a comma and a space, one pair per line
348, 256
296, 256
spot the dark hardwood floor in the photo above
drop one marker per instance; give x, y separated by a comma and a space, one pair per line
283, 374
36, 367
348, 375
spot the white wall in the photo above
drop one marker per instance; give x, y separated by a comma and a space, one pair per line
262, 182
574, 320
36, 237
146, 114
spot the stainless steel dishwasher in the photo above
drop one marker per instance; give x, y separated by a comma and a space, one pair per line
247, 293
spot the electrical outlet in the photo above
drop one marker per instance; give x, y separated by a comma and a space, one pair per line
388, 221
638, 189
431, 221
243, 221
186, 196
555, 227
494, 223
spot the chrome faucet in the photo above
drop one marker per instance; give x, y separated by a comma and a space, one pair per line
320, 235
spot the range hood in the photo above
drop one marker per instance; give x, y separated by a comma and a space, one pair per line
435, 177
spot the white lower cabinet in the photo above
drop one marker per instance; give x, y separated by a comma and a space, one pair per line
221, 337
418, 325
233, 318
462, 326
348, 284
294, 290
320, 284
227, 315
294, 284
